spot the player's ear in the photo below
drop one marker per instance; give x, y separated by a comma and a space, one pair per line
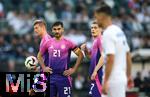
63, 29
100, 29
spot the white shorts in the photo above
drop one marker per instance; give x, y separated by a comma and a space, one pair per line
116, 89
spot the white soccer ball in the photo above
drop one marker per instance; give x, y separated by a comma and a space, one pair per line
31, 62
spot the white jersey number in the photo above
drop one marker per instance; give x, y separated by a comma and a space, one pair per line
56, 53
92, 86
67, 90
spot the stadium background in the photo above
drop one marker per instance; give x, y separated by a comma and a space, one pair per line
17, 39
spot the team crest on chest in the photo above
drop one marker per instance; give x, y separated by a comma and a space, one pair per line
63, 46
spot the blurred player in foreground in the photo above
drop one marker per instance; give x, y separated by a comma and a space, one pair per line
118, 59
59, 51
96, 59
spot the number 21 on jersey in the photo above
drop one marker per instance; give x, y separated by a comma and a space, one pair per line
56, 53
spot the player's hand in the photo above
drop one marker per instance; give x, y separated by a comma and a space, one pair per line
130, 82
69, 72
105, 88
83, 46
35, 68
31, 92
47, 69
93, 76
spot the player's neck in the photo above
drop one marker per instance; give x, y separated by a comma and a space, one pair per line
96, 36
43, 34
107, 23
58, 38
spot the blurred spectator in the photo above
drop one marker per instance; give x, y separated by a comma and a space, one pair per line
146, 85
38, 7
139, 15
136, 41
146, 42
20, 22
16, 3
11, 65
149, 81
136, 25
72, 35
138, 81
1, 9
4, 48
70, 3
50, 15
146, 17
58, 8
79, 82
82, 16
29, 47
66, 14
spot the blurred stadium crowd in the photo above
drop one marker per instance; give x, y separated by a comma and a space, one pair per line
17, 39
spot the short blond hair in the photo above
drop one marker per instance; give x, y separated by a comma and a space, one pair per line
39, 22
